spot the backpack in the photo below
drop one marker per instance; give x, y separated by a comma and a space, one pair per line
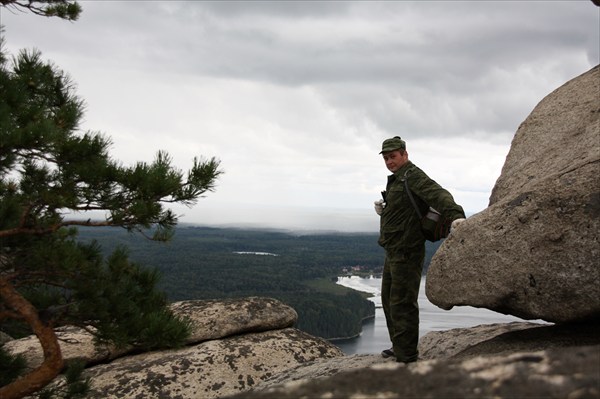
433, 225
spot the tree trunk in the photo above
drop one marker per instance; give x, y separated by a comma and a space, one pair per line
53, 361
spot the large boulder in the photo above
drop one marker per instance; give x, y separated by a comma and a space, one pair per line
534, 251
208, 370
210, 319
219, 318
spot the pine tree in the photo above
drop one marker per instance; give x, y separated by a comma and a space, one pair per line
51, 172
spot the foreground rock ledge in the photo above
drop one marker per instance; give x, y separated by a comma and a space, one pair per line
554, 373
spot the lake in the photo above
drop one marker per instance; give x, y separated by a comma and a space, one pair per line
374, 337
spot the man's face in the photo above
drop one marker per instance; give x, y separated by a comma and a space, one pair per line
394, 160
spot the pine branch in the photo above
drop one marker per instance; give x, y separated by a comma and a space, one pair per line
65, 9
53, 228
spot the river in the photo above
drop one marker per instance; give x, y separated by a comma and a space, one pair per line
374, 337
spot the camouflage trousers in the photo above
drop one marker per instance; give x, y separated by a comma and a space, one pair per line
399, 297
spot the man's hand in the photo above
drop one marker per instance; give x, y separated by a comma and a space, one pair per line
456, 222
378, 207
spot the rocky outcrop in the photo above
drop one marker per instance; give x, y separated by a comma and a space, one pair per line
446, 344
234, 344
537, 338
210, 319
211, 369
534, 251
506, 338
524, 360
289, 363
554, 373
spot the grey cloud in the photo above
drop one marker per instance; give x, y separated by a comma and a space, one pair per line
424, 67
436, 43
422, 41
256, 52
284, 9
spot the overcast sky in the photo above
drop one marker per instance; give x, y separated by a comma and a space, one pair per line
295, 98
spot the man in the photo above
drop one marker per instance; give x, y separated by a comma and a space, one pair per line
404, 244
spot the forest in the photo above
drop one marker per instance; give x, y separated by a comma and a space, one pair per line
300, 269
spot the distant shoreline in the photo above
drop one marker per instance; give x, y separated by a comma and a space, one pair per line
342, 339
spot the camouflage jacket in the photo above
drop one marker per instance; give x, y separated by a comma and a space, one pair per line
400, 227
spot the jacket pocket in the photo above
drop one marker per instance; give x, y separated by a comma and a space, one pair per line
390, 237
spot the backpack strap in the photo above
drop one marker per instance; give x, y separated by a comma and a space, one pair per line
410, 196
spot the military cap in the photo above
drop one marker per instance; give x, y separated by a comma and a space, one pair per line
395, 143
